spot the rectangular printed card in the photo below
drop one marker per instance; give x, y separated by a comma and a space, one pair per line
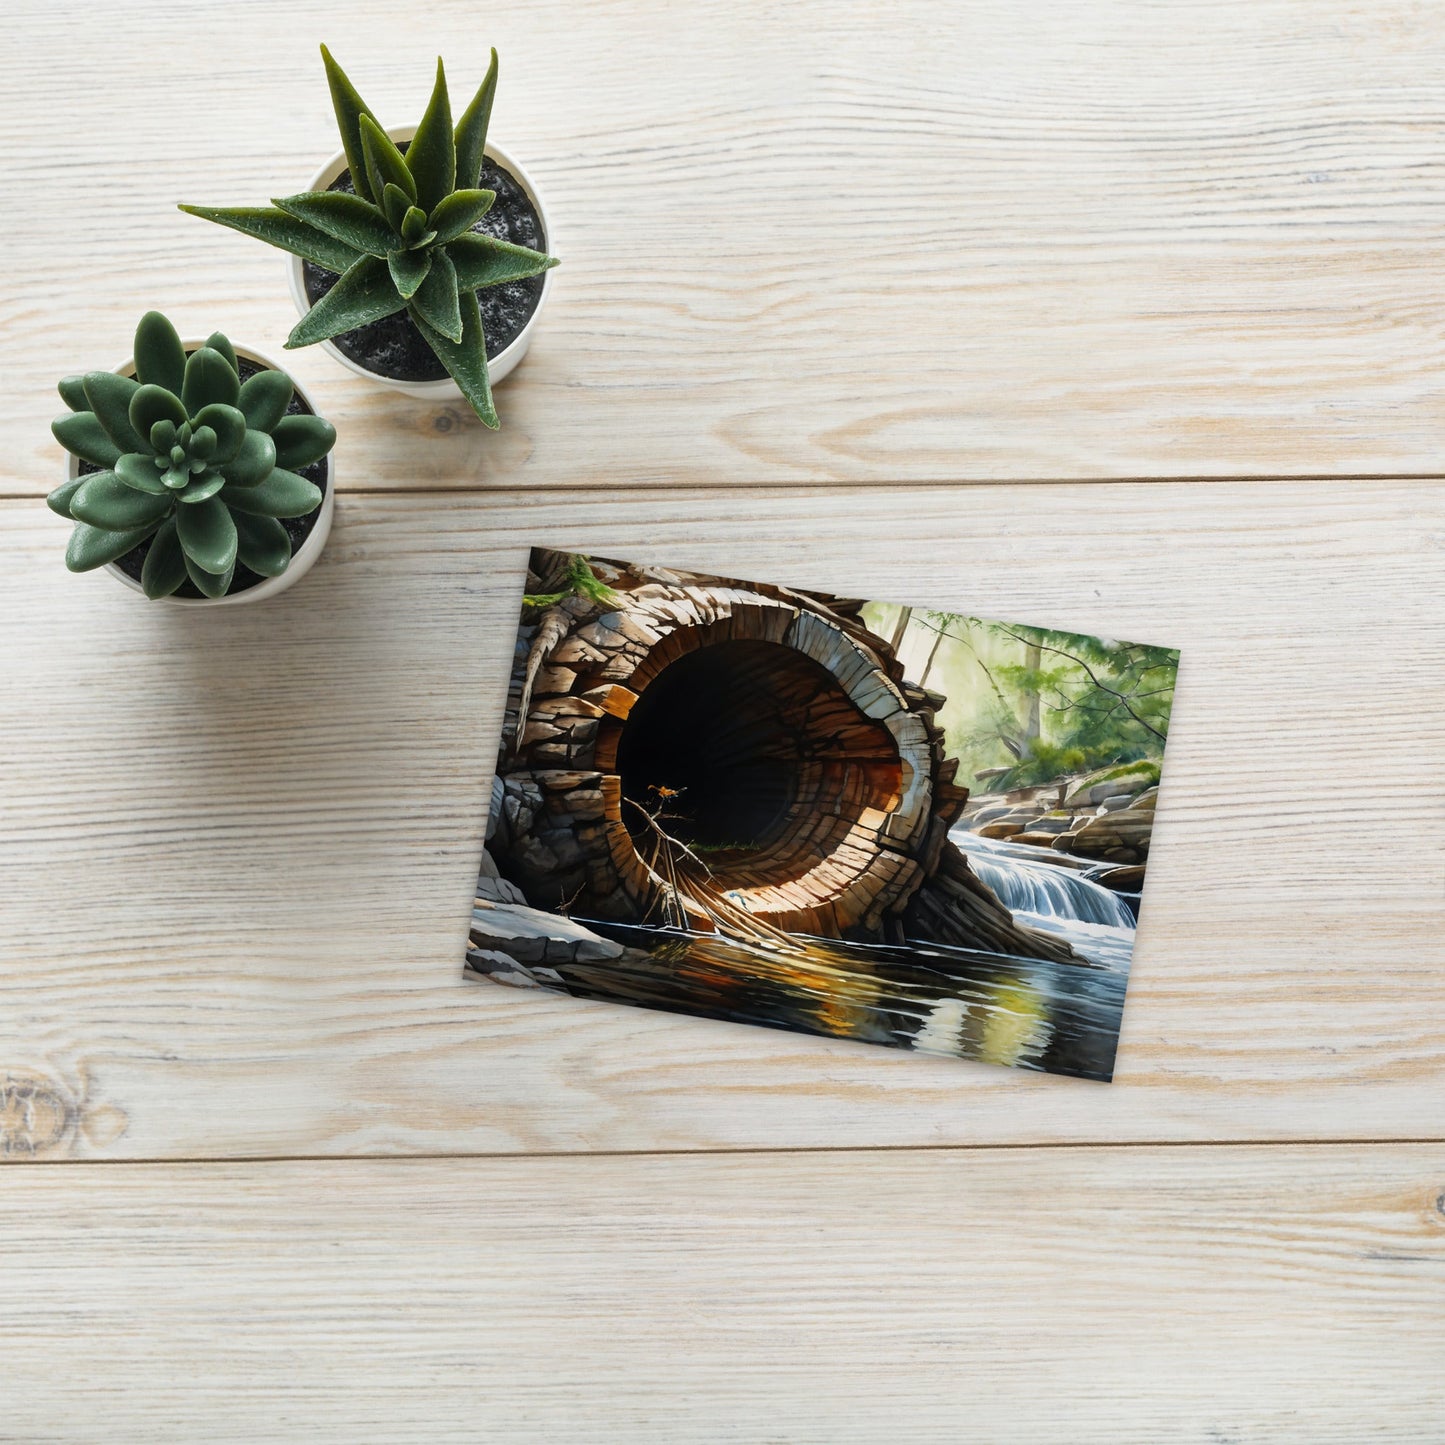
858, 819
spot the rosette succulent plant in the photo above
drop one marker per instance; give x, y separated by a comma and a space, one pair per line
403, 240
187, 456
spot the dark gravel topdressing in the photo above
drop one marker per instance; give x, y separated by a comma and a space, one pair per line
393, 346
297, 528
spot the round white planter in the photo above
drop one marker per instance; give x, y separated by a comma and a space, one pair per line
301, 561
498, 367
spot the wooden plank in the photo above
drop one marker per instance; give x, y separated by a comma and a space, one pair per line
809, 242
1114, 1296
237, 850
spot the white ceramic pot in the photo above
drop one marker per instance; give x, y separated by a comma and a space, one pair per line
501, 365
301, 561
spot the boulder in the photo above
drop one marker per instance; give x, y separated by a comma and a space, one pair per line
1000, 830
531, 936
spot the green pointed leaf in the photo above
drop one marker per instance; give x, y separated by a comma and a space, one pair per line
138, 471
264, 399
286, 233
210, 584
206, 485
81, 434
483, 261
59, 500
349, 108
365, 293
414, 229
209, 380
164, 568
408, 270
465, 360
471, 133
72, 392
219, 341
301, 440
432, 155
92, 547
354, 222
109, 396
384, 162
208, 534
395, 203
229, 426
437, 300
160, 359
282, 494
459, 212
255, 460
105, 501
262, 544
150, 405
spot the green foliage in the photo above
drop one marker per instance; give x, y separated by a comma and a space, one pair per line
580, 581
192, 459
403, 241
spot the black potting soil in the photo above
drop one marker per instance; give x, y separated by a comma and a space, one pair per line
393, 346
297, 528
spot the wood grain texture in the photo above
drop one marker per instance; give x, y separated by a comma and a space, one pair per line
814, 242
1115, 1296
236, 851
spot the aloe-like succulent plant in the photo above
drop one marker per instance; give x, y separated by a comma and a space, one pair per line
403, 240
189, 457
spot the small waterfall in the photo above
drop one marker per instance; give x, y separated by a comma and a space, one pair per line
1028, 884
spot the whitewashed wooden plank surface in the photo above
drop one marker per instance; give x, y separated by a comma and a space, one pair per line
1123, 1297
236, 850
812, 242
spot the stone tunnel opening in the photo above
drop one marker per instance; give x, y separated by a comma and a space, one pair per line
754, 756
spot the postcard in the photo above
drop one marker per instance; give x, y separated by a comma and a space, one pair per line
859, 819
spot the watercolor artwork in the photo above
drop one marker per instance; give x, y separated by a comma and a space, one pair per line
858, 819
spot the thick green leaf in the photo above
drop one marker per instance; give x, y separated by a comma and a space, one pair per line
349, 219
160, 359
286, 233
349, 108
219, 341
72, 392
262, 544
138, 470
414, 229
81, 433
483, 261
150, 404
92, 547
209, 380
164, 568
208, 534
383, 161
471, 134
282, 494
59, 500
408, 270
432, 155
264, 399
210, 584
437, 300
105, 501
110, 396
254, 461
395, 203
229, 425
465, 360
206, 485
365, 293
301, 440
459, 212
